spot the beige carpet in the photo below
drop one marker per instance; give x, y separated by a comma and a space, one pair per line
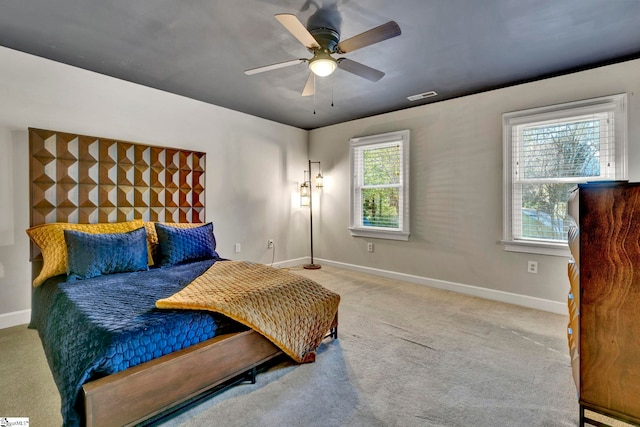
27, 389
407, 355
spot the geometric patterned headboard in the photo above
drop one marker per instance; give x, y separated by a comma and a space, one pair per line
86, 179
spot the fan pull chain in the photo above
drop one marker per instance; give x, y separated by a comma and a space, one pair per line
314, 93
332, 84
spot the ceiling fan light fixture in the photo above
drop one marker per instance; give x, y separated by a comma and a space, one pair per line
322, 64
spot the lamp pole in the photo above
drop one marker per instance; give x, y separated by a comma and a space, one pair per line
311, 266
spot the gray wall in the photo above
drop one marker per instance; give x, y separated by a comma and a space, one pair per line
456, 189
253, 165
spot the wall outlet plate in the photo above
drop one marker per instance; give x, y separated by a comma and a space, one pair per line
369, 247
532, 267
270, 244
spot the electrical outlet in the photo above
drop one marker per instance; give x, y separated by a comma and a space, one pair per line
270, 244
236, 248
369, 247
532, 267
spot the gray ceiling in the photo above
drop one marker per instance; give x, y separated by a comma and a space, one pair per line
200, 48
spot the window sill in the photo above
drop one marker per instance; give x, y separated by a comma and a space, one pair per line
541, 248
379, 234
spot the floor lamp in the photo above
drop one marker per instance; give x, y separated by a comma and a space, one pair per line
306, 199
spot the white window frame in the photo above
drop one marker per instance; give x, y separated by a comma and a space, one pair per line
356, 227
613, 103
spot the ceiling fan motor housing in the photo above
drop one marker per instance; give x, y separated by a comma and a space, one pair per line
326, 37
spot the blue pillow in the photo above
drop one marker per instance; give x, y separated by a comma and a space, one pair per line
90, 255
178, 245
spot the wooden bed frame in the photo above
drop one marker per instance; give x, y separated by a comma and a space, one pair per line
83, 179
139, 393
134, 395
131, 396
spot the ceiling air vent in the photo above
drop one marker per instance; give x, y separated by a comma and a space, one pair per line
423, 95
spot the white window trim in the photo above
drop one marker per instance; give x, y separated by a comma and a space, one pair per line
559, 111
378, 232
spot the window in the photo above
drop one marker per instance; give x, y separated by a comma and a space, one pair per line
380, 186
547, 151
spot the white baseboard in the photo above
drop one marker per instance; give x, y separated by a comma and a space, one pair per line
15, 318
291, 263
476, 291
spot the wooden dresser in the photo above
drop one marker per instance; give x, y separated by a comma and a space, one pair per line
604, 300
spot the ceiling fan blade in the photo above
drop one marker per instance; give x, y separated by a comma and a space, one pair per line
295, 27
360, 69
310, 86
374, 35
274, 66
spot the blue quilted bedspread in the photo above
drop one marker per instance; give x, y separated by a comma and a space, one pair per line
96, 327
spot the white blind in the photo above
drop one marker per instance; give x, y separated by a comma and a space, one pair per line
549, 158
572, 149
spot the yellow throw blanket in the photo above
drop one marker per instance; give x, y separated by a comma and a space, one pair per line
291, 311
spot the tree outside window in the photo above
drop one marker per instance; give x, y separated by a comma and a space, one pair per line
547, 152
380, 196
554, 153
379, 186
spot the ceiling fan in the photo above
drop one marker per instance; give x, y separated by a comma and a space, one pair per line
322, 43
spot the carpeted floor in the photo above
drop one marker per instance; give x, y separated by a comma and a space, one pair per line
407, 355
27, 388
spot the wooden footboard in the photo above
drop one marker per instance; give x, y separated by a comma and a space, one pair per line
138, 393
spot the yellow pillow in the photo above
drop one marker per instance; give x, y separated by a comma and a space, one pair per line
50, 239
152, 236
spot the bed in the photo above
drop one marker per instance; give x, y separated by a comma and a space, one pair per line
122, 343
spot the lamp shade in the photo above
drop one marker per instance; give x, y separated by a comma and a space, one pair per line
322, 64
305, 196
